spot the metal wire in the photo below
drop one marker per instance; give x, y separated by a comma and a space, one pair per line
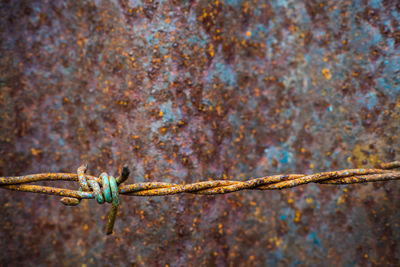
107, 188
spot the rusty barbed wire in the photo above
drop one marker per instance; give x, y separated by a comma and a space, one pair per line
106, 188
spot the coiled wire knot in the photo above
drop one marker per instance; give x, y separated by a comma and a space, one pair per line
104, 189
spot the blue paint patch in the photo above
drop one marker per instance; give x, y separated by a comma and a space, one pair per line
313, 237
150, 99
375, 3
377, 37
296, 263
226, 73
285, 157
168, 113
280, 3
233, 2
61, 142
369, 100
282, 155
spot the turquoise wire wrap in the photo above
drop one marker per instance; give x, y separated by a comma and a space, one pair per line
96, 191
111, 195
115, 203
108, 192
106, 187
93, 184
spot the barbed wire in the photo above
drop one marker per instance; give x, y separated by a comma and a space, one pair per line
106, 188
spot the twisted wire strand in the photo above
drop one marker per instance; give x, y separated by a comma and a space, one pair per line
107, 188
350, 176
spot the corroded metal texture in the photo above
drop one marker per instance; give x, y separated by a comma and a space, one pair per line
183, 91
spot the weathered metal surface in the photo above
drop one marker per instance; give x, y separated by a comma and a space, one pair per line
181, 91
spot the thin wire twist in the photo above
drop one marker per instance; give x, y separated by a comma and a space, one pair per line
107, 188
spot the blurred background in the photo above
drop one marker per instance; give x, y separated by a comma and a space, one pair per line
185, 91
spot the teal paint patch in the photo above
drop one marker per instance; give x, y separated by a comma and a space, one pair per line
61, 142
150, 99
369, 100
314, 239
233, 3
226, 73
375, 3
168, 113
283, 156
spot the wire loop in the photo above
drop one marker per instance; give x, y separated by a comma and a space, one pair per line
107, 192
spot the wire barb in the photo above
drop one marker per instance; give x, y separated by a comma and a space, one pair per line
106, 188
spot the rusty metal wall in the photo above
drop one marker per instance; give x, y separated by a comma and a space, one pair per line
182, 91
